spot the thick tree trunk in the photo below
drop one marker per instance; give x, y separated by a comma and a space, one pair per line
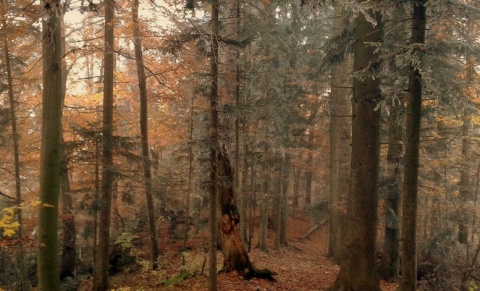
147, 171
358, 267
48, 263
340, 148
408, 249
105, 203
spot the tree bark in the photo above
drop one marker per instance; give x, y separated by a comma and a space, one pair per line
391, 248
408, 249
147, 171
340, 148
48, 262
213, 144
235, 256
309, 167
105, 203
358, 267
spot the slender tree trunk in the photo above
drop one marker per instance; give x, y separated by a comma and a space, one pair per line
408, 249
265, 199
340, 140
284, 198
309, 166
358, 267
213, 143
48, 262
147, 172
16, 152
280, 206
69, 254
391, 248
105, 203
190, 177
243, 187
465, 173
465, 186
253, 202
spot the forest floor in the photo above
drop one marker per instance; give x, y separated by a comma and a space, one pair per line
302, 265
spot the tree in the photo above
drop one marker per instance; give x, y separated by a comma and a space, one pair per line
408, 249
15, 139
340, 139
48, 263
147, 173
213, 145
358, 258
102, 263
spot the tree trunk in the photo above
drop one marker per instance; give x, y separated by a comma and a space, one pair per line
16, 152
357, 271
69, 254
265, 198
190, 175
105, 203
48, 263
466, 193
284, 198
147, 171
408, 248
243, 186
340, 148
309, 167
213, 144
235, 256
391, 248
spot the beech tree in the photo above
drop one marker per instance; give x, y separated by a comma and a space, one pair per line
48, 261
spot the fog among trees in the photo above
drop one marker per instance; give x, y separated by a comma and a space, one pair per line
239, 145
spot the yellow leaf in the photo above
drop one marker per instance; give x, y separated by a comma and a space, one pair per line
47, 205
8, 232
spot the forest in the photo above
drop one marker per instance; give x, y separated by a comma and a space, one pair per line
239, 145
